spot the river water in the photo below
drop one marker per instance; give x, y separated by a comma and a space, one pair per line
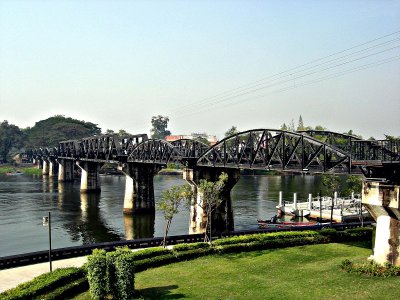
79, 219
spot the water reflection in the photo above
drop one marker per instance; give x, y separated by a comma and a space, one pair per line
89, 227
139, 226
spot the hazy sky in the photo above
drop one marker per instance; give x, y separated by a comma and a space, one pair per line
208, 65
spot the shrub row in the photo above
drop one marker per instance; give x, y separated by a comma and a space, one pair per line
150, 252
44, 283
244, 239
192, 246
370, 268
68, 290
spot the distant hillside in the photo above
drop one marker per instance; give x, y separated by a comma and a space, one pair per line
49, 132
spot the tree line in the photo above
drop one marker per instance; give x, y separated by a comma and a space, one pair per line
45, 133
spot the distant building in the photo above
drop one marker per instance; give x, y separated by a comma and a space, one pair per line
212, 139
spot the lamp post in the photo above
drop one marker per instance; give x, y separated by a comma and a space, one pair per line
47, 222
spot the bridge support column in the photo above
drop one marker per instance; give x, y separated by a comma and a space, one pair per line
382, 201
53, 167
45, 169
90, 179
139, 187
65, 170
222, 216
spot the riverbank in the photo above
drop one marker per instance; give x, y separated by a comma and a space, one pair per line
27, 169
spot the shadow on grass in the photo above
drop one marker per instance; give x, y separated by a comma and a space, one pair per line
362, 244
159, 292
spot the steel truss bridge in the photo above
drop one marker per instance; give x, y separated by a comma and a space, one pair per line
267, 149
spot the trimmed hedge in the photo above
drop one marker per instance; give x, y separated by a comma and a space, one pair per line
192, 246
68, 290
264, 237
97, 273
143, 264
125, 276
45, 283
150, 252
111, 273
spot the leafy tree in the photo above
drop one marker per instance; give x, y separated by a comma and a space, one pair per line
319, 127
122, 133
392, 138
231, 131
10, 136
284, 127
211, 199
354, 184
203, 140
300, 126
170, 201
159, 129
109, 132
49, 132
331, 183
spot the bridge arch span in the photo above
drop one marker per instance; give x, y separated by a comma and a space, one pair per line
157, 151
275, 149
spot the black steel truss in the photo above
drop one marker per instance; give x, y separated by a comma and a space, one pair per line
276, 149
312, 151
184, 151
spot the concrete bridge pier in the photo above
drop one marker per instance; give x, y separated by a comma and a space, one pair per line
65, 170
90, 178
38, 162
53, 167
222, 216
382, 201
139, 187
46, 167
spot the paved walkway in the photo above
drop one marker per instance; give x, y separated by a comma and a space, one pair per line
10, 278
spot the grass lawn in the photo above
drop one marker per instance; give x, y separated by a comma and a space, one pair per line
307, 272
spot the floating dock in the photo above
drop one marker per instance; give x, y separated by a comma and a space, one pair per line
340, 210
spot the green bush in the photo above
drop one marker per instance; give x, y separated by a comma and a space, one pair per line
125, 275
365, 232
192, 246
43, 284
370, 268
330, 232
97, 273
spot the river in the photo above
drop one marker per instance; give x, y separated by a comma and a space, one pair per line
79, 219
